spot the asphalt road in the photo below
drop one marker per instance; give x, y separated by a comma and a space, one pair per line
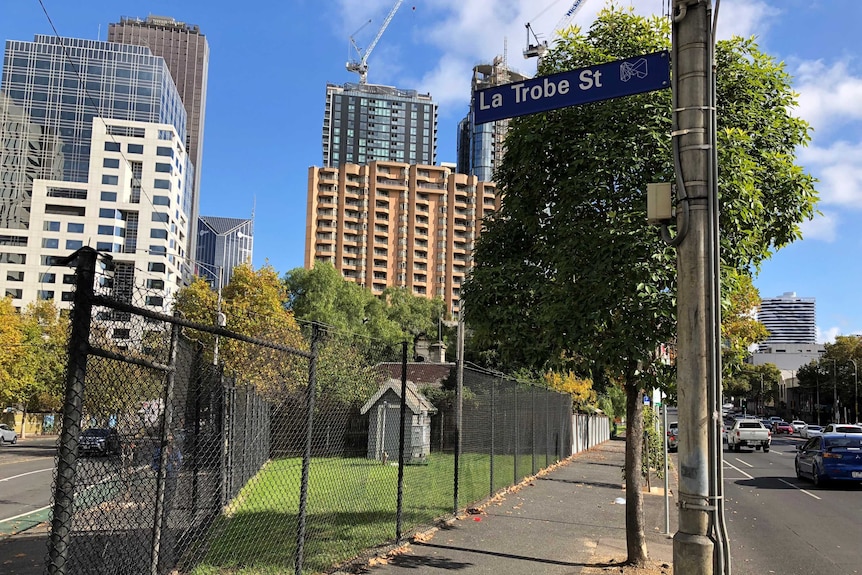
26, 475
780, 524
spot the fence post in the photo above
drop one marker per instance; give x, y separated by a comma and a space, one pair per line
493, 431
516, 429
164, 440
76, 371
547, 418
403, 421
459, 406
306, 458
533, 427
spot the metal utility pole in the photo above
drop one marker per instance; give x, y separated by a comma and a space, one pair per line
693, 549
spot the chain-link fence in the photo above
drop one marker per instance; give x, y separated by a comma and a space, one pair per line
298, 452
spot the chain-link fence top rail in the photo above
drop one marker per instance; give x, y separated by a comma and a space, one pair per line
168, 461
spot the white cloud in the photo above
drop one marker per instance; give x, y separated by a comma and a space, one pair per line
829, 95
744, 18
828, 334
838, 166
820, 228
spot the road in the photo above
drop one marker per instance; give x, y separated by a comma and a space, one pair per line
780, 524
26, 475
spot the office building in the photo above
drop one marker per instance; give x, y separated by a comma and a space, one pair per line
93, 153
186, 53
366, 122
394, 224
223, 244
480, 147
789, 319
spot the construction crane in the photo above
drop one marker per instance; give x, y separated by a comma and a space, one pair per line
538, 49
361, 66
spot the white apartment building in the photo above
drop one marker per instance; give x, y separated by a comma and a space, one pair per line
135, 206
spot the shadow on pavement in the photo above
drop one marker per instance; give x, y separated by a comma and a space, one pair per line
617, 486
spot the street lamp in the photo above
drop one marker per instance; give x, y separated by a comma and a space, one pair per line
855, 391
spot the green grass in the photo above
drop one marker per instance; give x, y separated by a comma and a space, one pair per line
351, 508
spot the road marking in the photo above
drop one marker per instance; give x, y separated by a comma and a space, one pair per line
797, 487
24, 474
743, 462
31, 512
726, 462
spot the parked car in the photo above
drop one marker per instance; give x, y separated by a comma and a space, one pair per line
833, 456
842, 428
672, 436
99, 441
811, 430
781, 427
798, 425
7, 434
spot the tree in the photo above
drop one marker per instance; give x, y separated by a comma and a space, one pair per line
834, 372
569, 264
581, 389
32, 355
757, 385
253, 305
739, 326
321, 294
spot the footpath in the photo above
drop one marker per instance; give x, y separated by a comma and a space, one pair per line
568, 521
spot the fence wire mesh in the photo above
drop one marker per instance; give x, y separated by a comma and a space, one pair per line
302, 449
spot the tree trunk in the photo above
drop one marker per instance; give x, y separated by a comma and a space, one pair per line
635, 536
24, 421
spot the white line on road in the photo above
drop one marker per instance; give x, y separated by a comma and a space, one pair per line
743, 462
28, 473
738, 469
25, 514
799, 488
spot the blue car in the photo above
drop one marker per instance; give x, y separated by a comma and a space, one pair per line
832, 456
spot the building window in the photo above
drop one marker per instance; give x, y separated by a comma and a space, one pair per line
161, 201
156, 284
50, 243
74, 228
15, 276
13, 293
163, 151
109, 196
51, 226
160, 217
110, 180
162, 184
112, 147
46, 278
154, 300
69, 279
45, 295
74, 244
121, 333
135, 148
159, 234
111, 163
67, 296
163, 168
156, 267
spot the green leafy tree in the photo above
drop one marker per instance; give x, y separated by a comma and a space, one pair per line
835, 372
757, 385
33, 356
569, 264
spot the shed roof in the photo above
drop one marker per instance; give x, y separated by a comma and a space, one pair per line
415, 401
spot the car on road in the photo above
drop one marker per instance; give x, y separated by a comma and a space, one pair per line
842, 428
810, 431
798, 425
672, 436
781, 427
99, 441
748, 433
832, 456
7, 434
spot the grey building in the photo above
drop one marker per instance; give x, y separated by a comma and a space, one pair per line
223, 244
790, 320
186, 52
52, 91
384, 421
367, 122
480, 147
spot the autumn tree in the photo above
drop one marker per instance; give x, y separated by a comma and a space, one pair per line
569, 263
581, 389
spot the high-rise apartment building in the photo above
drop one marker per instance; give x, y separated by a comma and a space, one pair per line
93, 153
223, 244
186, 52
366, 122
480, 147
394, 224
789, 319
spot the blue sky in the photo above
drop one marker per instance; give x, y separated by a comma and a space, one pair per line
270, 62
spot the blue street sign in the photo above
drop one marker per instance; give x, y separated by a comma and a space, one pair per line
646, 400
592, 84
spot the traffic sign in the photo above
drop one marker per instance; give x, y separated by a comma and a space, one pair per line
573, 88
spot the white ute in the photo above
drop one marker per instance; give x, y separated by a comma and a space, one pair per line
748, 433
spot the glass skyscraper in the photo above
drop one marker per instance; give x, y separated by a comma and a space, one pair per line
367, 122
790, 320
52, 90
